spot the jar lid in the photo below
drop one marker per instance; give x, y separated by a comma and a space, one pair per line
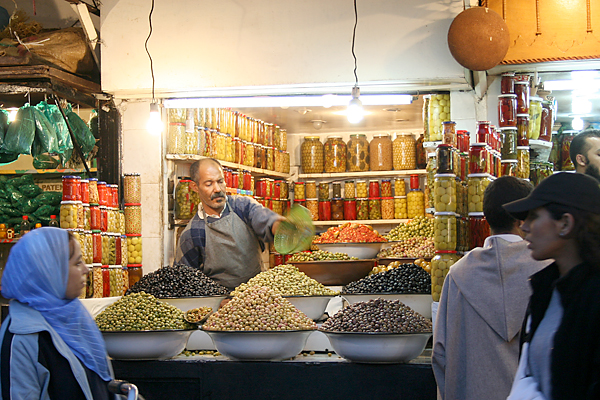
387, 198
479, 144
381, 135
349, 181
358, 135
112, 185
299, 200
448, 122
509, 161
114, 266
185, 180
361, 181
85, 205
94, 204
374, 198
522, 147
337, 199
311, 199
445, 252
133, 235
132, 174
299, 183
101, 183
476, 214
134, 265
443, 145
362, 199
480, 175
93, 179
96, 265
386, 180
334, 137
510, 96
66, 202
508, 74
521, 82
444, 176
508, 128
132, 204
311, 138
71, 177
483, 122
399, 197
523, 116
85, 181
96, 231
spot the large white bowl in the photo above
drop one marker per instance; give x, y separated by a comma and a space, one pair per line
362, 251
96, 306
384, 348
312, 306
421, 303
188, 303
259, 345
146, 345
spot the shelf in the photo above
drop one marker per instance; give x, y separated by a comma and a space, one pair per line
11, 241
45, 171
256, 171
365, 174
364, 222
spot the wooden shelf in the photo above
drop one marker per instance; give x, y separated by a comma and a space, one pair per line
255, 171
45, 171
365, 174
11, 241
364, 222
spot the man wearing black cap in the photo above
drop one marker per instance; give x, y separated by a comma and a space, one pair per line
560, 356
585, 153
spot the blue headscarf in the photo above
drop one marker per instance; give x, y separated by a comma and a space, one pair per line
36, 274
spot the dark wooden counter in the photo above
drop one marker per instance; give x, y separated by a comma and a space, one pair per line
310, 377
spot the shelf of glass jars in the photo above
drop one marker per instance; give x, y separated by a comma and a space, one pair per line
364, 174
255, 171
362, 221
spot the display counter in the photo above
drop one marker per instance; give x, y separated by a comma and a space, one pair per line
318, 376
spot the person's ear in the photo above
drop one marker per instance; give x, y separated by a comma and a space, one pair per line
581, 160
194, 186
567, 223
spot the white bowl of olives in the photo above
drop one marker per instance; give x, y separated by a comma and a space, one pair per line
146, 345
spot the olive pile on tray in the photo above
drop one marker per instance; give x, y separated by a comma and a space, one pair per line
406, 278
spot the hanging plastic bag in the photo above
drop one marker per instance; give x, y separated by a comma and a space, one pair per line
65, 144
45, 136
21, 132
82, 132
3, 124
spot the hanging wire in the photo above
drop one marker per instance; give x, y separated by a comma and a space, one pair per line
353, 38
147, 51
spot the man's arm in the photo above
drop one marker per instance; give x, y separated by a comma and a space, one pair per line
263, 221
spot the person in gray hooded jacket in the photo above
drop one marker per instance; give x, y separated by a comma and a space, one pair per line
482, 306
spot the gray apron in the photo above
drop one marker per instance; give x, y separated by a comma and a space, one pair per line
232, 254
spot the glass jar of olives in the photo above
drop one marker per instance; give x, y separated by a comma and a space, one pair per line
362, 209
375, 208
381, 152
400, 207
445, 193
476, 187
415, 203
440, 265
312, 155
335, 154
445, 233
349, 190
311, 189
358, 153
404, 152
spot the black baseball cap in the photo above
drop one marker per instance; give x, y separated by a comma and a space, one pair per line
567, 188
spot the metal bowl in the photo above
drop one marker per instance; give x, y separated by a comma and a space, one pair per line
187, 303
334, 272
312, 306
259, 345
362, 251
421, 303
383, 348
146, 345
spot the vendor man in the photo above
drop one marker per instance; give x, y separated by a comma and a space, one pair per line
585, 153
226, 237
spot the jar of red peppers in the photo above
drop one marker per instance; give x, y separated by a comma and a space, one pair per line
95, 219
484, 131
103, 218
547, 121
350, 209
477, 158
479, 229
507, 83
507, 110
373, 188
97, 246
84, 189
71, 191
522, 92
102, 193
324, 210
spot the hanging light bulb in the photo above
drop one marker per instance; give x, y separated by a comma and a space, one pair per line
154, 124
577, 123
355, 112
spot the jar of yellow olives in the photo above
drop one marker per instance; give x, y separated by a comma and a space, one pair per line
134, 248
400, 207
476, 187
438, 112
405, 152
350, 190
335, 154
358, 158
115, 273
523, 162
299, 191
444, 193
415, 203
440, 265
311, 152
399, 187
68, 215
445, 233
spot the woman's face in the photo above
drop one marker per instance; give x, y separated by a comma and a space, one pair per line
542, 233
77, 271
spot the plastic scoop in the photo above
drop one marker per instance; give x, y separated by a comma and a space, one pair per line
296, 232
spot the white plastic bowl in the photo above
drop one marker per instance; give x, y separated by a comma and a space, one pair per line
259, 345
312, 306
362, 251
188, 303
421, 303
384, 348
146, 345
96, 306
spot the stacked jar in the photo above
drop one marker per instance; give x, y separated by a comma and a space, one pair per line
438, 111
415, 198
479, 229
387, 200
381, 152
535, 117
445, 231
374, 200
358, 156
335, 154
312, 155
523, 162
130, 229
476, 187
186, 200
404, 152
445, 199
440, 265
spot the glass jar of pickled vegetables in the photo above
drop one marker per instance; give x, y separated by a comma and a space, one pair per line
176, 137
125, 279
311, 189
522, 129
186, 200
89, 247
445, 233
118, 252
313, 207
535, 117
358, 153
249, 154
337, 189
97, 246
509, 168
324, 210
312, 154
386, 188
362, 209
277, 206
132, 188
323, 191
445, 193
507, 110
349, 190
374, 189
387, 208
97, 281
522, 92
337, 209
68, 215
80, 215
449, 133
523, 162
350, 209
547, 121
116, 280
105, 247
135, 273
124, 250
335, 154
440, 265
112, 248
399, 187
476, 187
445, 159
134, 248
507, 83
404, 152
284, 191
133, 218
381, 153
299, 191
438, 112
84, 189
113, 218
415, 203
271, 158
479, 229
361, 189
478, 158
400, 207
374, 207
509, 143
93, 189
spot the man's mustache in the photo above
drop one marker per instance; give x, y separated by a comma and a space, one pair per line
217, 195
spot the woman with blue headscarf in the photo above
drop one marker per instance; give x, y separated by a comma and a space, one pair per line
50, 346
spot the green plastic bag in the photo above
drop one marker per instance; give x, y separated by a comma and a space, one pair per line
50, 198
45, 211
28, 206
5, 203
16, 198
82, 132
9, 211
45, 161
30, 191
3, 124
15, 222
7, 158
45, 135
65, 144
21, 132
4, 194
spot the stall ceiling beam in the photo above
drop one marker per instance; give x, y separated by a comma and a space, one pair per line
93, 8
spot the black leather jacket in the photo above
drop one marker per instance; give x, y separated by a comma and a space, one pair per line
575, 360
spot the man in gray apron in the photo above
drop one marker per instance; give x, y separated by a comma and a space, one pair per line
226, 237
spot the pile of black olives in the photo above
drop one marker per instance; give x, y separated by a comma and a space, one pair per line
378, 315
178, 281
406, 278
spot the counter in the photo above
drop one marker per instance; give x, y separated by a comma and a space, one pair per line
316, 377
